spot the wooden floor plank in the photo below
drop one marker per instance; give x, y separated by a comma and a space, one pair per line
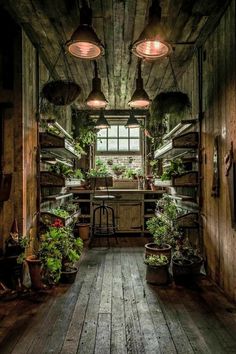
161, 327
134, 340
110, 309
73, 334
118, 339
88, 335
151, 343
103, 338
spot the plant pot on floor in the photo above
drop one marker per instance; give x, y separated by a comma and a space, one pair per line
185, 270
82, 229
154, 249
35, 270
68, 276
158, 275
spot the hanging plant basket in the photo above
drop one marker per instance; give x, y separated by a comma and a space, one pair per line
61, 92
172, 102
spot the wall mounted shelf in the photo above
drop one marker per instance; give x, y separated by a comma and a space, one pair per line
178, 145
57, 145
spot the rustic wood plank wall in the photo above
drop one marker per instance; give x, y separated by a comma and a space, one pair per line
11, 92
219, 106
29, 128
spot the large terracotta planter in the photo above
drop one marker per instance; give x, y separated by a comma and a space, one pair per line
158, 275
152, 249
35, 270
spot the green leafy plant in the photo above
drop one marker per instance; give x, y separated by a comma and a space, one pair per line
100, 170
130, 173
118, 169
59, 249
175, 168
156, 260
79, 174
61, 169
163, 226
60, 212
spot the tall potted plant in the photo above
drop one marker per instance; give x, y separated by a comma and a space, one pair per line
163, 228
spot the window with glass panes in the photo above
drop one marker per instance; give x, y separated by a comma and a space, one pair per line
118, 138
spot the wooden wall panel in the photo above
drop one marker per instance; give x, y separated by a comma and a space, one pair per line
29, 135
219, 106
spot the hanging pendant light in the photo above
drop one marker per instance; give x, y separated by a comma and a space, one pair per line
150, 44
132, 122
102, 123
96, 98
84, 42
140, 97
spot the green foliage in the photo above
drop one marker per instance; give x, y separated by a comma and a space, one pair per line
61, 169
59, 212
175, 168
163, 226
79, 174
118, 169
58, 248
79, 149
172, 102
130, 173
100, 170
156, 260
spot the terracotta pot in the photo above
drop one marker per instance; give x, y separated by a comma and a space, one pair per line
158, 275
35, 270
152, 249
83, 231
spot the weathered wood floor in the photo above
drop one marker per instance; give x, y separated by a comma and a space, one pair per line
111, 309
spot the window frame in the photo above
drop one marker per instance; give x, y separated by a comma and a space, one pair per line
121, 122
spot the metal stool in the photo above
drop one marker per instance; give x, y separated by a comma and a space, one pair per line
104, 219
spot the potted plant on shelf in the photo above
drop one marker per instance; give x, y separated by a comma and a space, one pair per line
99, 176
118, 170
163, 228
174, 168
157, 269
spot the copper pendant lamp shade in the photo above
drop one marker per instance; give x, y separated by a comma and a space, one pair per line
102, 123
84, 42
140, 97
150, 45
96, 98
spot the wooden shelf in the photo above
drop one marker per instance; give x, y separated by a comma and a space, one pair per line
180, 128
51, 179
184, 198
188, 221
179, 145
48, 218
187, 179
57, 197
57, 145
